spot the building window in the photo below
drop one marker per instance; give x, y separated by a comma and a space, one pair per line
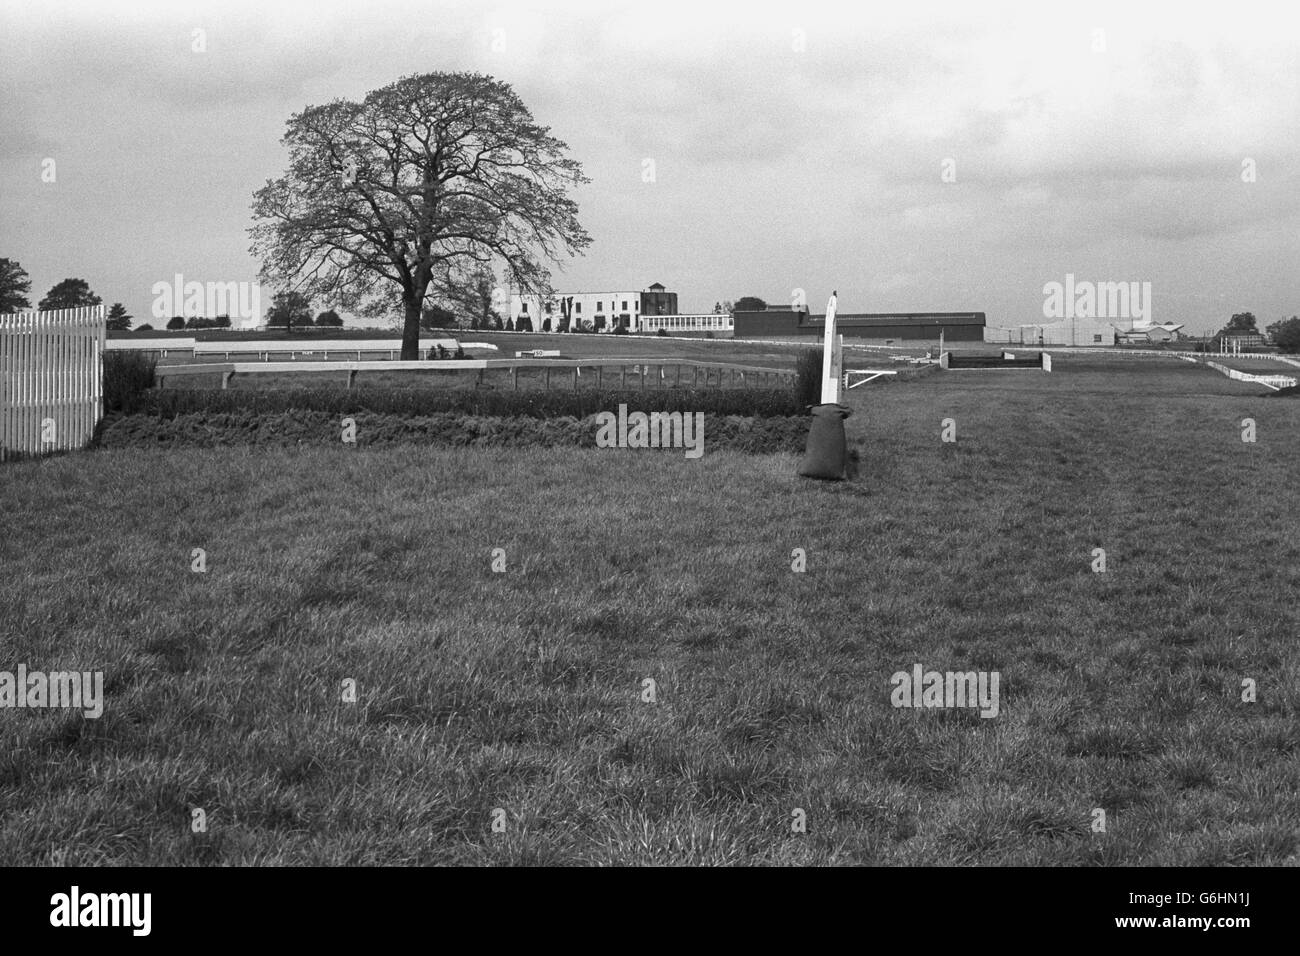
577, 307
1096, 338
600, 306
625, 305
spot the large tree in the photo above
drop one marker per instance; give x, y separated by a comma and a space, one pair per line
750, 303
14, 287
69, 294
411, 192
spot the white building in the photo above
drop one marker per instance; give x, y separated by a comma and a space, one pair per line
590, 311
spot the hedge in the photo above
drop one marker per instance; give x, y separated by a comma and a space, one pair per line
321, 428
531, 403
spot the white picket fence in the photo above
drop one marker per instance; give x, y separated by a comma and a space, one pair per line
51, 380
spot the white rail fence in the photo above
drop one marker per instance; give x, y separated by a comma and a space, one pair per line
51, 380
1274, 382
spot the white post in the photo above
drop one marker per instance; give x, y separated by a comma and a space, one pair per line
830, 358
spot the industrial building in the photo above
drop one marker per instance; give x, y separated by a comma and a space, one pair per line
898, 326
1085, 332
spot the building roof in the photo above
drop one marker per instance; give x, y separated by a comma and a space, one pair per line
656, 285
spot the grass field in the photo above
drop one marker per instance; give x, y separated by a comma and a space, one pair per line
523, 691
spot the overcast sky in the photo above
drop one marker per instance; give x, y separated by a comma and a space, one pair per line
794, 145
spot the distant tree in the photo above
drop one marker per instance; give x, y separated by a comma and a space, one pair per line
222, 322
510, 325
329, 319
144, 328
1241, 322
437, 317
749, 303
476, 298
1286, 334
289, 309
118, 320
14, 287
175, 323
546, 324
69, 294
728, 306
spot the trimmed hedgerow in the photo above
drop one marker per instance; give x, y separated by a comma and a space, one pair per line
749, 402
302, 427
128, 376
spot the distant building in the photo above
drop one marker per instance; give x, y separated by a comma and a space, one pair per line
1241, 340
1082, 332
903, 326
1078, 332
656, 301
599, 311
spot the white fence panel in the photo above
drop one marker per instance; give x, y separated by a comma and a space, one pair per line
51, 380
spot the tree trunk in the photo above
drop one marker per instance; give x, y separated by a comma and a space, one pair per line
411, 333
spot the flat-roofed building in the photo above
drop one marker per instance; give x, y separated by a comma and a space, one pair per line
909, 326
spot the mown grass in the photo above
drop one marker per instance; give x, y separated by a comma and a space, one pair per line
522, 690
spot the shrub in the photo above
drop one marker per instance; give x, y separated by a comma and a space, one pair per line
663, 332
175, 322
128, 376
145, 328
808, 381
620, 329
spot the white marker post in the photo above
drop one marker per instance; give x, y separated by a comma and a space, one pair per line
832, 358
